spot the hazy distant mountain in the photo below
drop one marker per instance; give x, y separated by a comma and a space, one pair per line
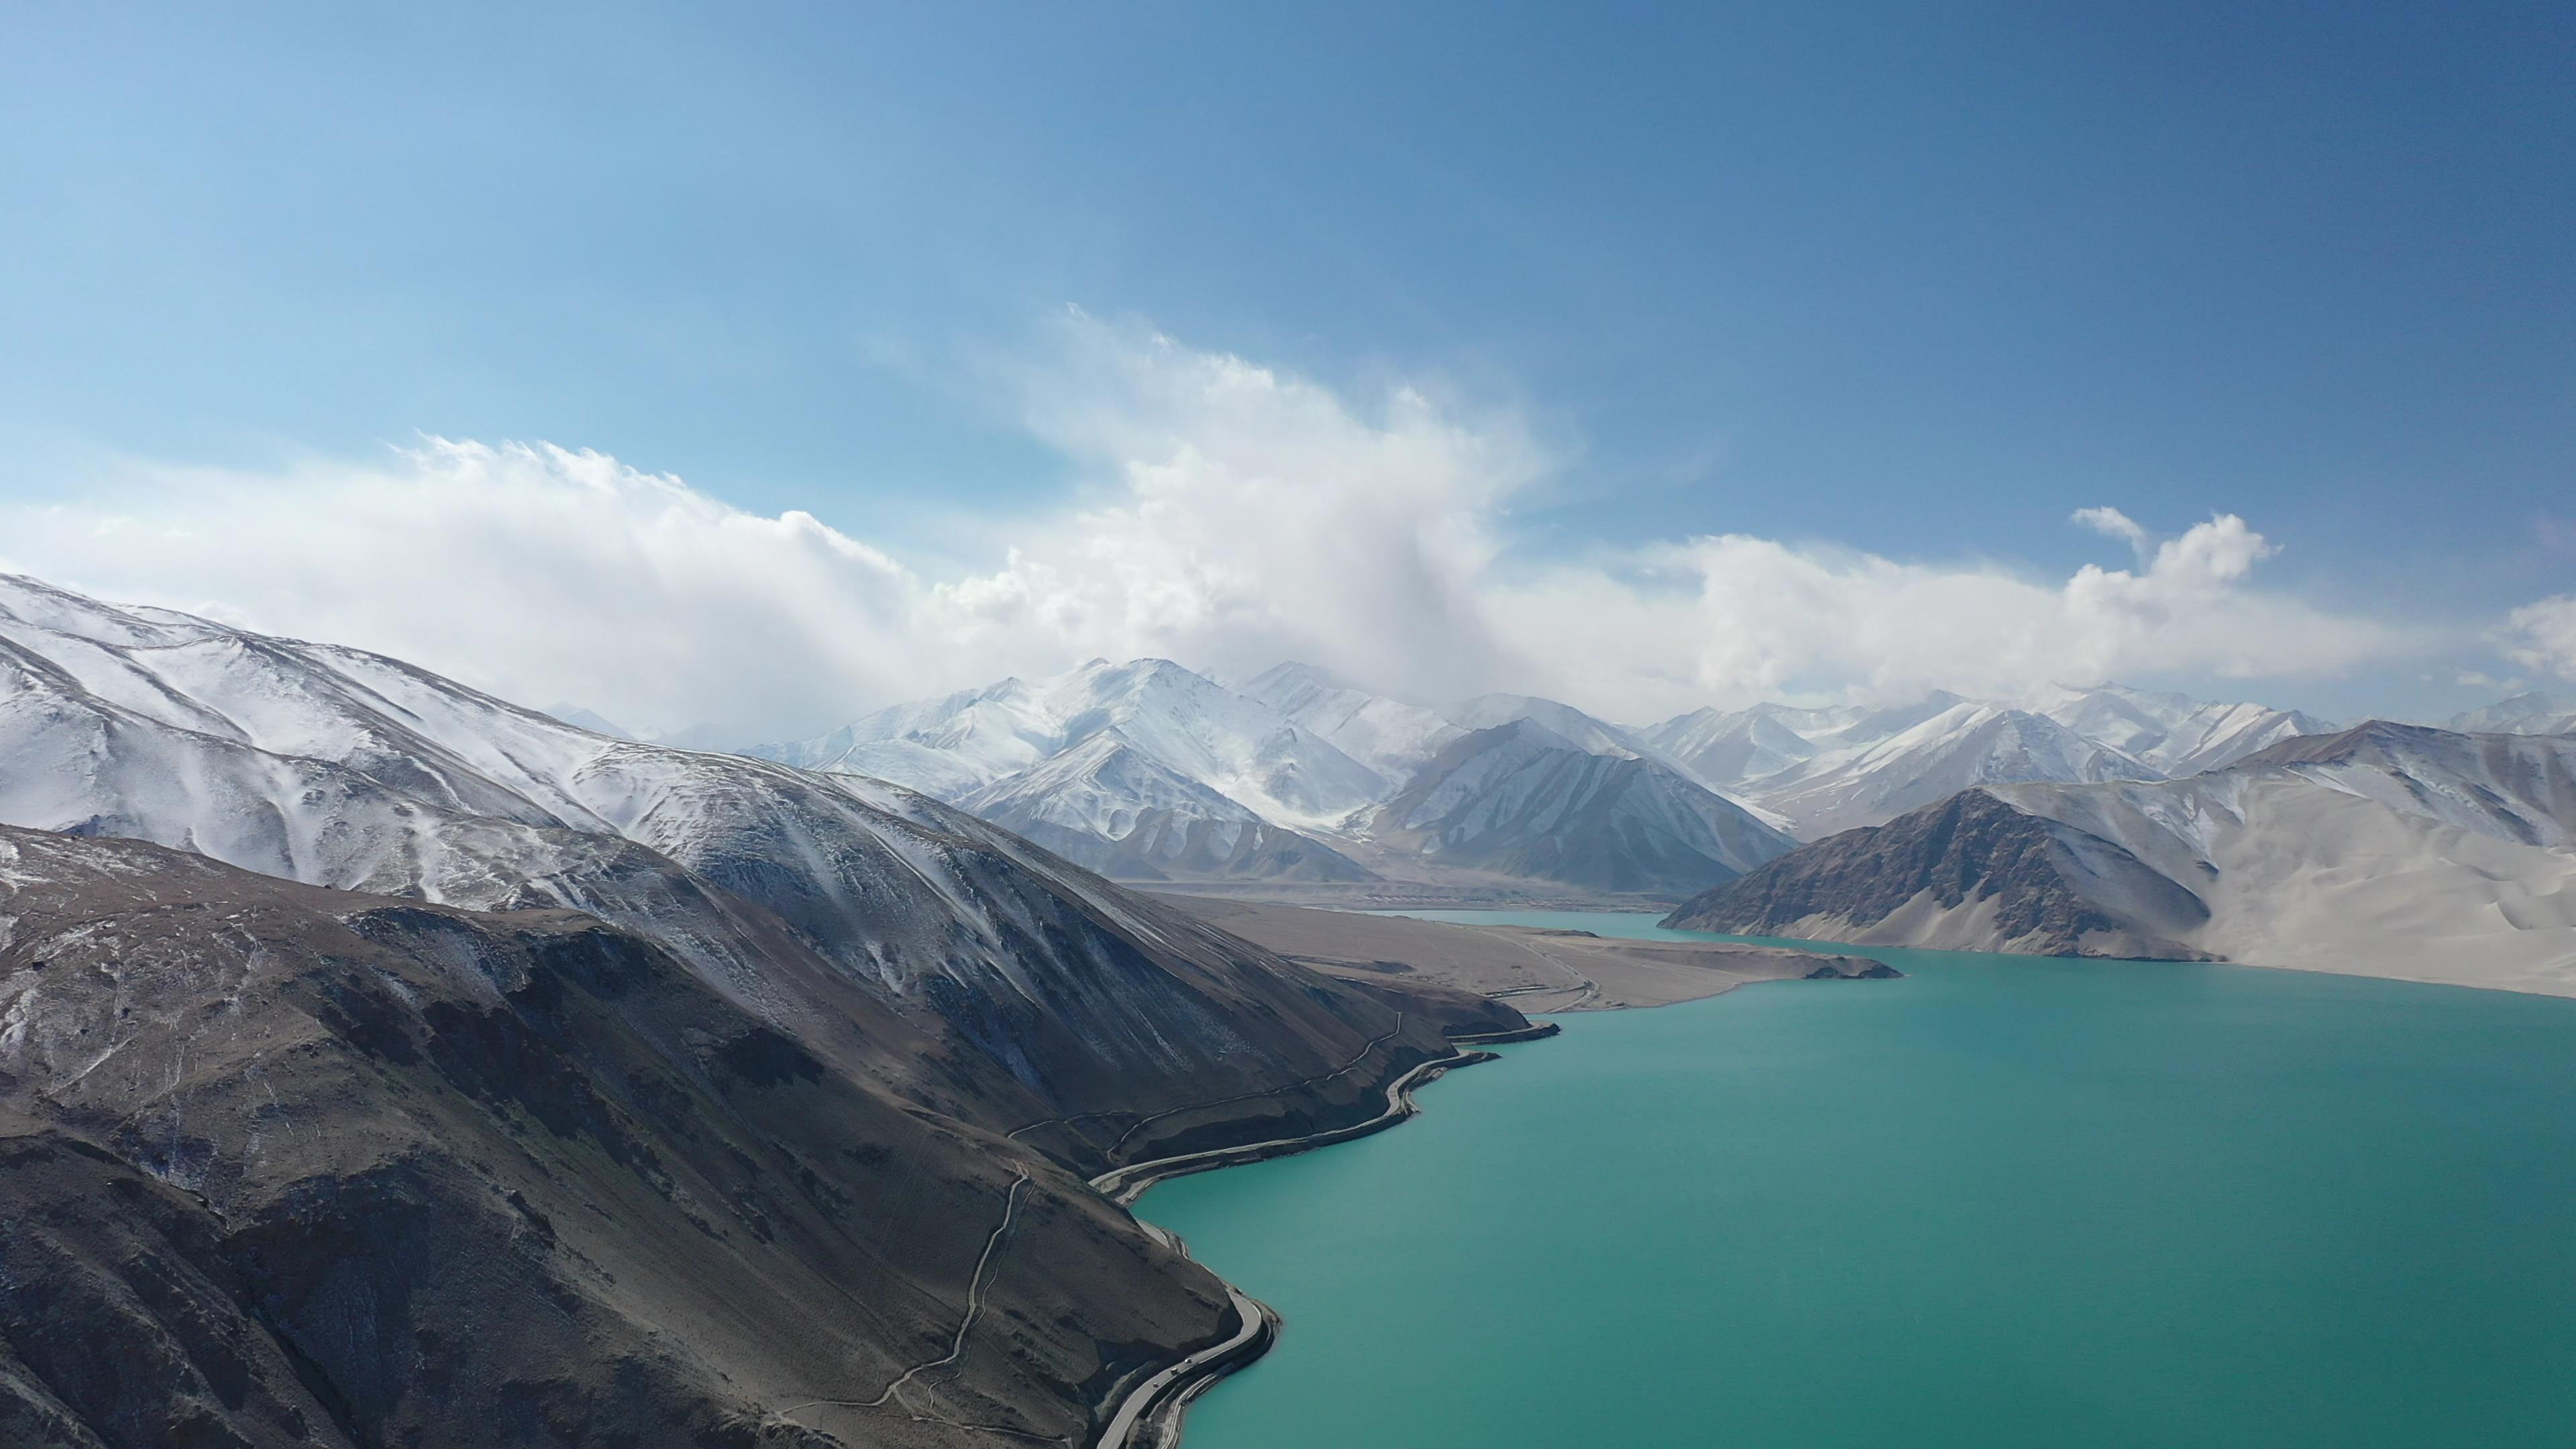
591, 720
2390, 849
1735, 747
1144, 770
1107, 805
1231, 743
1311, 757
1520, 800
2524, 714
1962, 746
2175, 733
1833, 768
1387, 735
1566, 722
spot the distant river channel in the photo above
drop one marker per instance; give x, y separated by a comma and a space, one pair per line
2003, 1203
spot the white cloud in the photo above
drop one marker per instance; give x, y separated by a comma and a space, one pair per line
2543, 636
2112, 523
1237, 516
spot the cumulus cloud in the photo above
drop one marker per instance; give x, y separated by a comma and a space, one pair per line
2543, 636
1236, 515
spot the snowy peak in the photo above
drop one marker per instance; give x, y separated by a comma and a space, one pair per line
1962, 746
1238, 747
1389, 736
2175, 733
1114, 808
818, 900
1732, 749
2524, 714
1143, 770
1488, 710
1520, 799
2387, 849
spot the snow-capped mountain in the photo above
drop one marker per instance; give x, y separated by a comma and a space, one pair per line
1600, 737
1110, 806
1387, 735
2524, 714
1962, 746
1147, 771
1733, 747
1567, 723
788, 889
1314, 757
2175, 733
631, 1027
1834, 768
2390, 849
1518, 799
1164, 773
1233, 744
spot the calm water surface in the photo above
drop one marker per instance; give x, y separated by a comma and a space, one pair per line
2002, 1202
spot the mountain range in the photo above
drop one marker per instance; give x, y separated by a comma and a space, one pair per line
1147, 771
378, 1056
2388, 849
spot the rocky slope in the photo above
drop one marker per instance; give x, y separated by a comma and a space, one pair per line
2385, 849
298, 1166
902, 945
1972, 873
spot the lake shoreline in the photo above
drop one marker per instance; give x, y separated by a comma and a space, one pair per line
1149, 1416
2514, 986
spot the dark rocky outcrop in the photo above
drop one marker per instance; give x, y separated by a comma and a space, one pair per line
2048, 888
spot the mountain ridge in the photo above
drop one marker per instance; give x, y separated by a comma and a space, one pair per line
2386, 848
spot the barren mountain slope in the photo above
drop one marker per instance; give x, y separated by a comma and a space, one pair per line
2389, 850
320, 1166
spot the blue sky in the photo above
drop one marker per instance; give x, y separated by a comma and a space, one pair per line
1916, 282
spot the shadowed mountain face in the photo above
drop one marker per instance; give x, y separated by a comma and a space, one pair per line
2028, 883
288, 1165
916, 964
2385, 849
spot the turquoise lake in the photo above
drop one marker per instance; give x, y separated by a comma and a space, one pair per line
2001, 1202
